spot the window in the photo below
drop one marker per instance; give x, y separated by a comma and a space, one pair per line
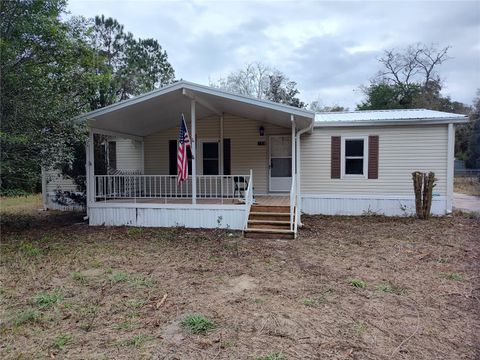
172, 159
210, 158
226, 157
112, 155
354, 156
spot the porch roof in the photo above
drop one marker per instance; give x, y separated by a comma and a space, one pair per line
160, 109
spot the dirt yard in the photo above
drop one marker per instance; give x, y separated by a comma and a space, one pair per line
347, 288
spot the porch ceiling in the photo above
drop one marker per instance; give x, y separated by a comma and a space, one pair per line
160, 109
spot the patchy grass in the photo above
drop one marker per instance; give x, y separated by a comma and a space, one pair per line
30, 250
69, 290
134, 231
272, 356
360, 328
79, 277
452, 276
314, 302
45, 300
197, 324
61, 341
20, 203
137, 341
357, 283
27, 316
390, 288
118, 276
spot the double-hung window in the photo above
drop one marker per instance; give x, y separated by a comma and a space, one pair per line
354, 156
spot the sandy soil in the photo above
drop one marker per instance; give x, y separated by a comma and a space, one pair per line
295, 298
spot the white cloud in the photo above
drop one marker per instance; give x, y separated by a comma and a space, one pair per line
329, 48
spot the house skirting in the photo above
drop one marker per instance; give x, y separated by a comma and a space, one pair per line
330, 204
155, 215
51, 204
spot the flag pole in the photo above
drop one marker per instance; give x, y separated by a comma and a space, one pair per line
193, 148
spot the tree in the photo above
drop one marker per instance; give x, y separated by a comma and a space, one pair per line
281, 90
409, 78
44, 67
417, 64
128, 67
252, 80
383, 96
473, 160
467, 137
318, 107
52, 70
263, 82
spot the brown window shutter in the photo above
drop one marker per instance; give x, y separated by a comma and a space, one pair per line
373, 157
335, 157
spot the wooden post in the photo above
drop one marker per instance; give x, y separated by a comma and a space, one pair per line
423, 185
417, 187
428, 185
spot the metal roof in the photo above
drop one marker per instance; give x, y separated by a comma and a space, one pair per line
386, 117
160, 109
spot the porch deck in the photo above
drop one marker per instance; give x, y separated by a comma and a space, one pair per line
266, 200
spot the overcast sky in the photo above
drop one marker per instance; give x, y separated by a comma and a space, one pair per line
328, 48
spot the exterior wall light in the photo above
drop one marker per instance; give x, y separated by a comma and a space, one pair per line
261, 130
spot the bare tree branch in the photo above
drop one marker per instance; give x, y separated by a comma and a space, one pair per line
415, 64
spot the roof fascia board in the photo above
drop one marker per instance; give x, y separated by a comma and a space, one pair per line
132, 101
319, 124
249, 100
200, 88
115, 133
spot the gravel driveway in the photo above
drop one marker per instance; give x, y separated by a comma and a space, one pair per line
466, 202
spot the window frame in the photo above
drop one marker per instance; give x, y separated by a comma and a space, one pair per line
343, 157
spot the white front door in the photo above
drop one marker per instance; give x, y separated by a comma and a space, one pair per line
280, 163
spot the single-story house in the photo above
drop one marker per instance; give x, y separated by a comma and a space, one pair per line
256, 165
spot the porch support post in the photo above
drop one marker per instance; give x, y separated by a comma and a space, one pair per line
297, 179
221, 172
194, 152
292, 118
450, 165
91, 169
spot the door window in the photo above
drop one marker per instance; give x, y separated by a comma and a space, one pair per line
281, 157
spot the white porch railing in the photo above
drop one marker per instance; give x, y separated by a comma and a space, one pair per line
112, 187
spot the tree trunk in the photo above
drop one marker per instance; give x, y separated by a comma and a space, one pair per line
417, 186
429, 185
423, 185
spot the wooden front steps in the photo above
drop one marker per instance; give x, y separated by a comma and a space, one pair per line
269, 222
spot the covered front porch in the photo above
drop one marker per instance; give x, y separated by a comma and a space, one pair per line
244, 152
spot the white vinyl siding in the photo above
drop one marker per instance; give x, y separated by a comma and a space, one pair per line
56, 182
245, 152
402, 150
129, 154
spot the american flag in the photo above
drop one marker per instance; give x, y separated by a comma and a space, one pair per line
183, 144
